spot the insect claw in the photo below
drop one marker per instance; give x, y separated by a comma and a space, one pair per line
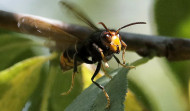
66, 93
107, 97
130, 67
63, 94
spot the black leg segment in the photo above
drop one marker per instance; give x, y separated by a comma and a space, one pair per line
101, 87
118, 61
75, 63
95, 73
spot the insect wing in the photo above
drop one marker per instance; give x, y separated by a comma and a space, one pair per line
47, 29
77, 12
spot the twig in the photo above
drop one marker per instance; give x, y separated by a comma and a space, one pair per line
172, 48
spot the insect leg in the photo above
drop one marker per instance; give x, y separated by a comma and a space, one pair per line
118, 61
73, 75
101, 87
76, 47
123, 54
102, 54
105, 73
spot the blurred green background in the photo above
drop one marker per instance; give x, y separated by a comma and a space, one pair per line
158, 85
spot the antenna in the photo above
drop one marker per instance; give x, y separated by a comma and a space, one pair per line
104, 26
130, 25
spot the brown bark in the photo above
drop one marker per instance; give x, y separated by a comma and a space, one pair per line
173, 49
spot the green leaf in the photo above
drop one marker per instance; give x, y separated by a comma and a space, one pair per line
62, 84
47, 88
37, 96
93, 99
18, 82
13, 49
157, 88
170, 14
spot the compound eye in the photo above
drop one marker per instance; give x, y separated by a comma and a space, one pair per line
107, 35
108, 38
118, 35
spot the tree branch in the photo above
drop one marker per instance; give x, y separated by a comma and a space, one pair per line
172, 48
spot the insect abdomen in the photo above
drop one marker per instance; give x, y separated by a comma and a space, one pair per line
67, 61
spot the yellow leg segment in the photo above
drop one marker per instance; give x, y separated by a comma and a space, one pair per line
123, 55
103, 58
127, 66
72, 84
107, 97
